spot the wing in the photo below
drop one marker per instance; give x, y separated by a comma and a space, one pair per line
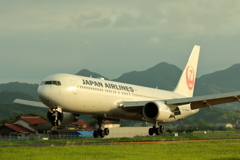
206, 101
30, 103
195, 102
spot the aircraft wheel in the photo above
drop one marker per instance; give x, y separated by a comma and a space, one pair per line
151, 131
158, 131
162, 129
58, 123
53, 123
102, 133
154, 128
106, 131
95, 134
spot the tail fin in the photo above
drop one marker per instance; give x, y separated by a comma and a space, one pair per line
186, 83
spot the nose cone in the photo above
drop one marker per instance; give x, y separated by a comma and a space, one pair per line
46, 96
43, 94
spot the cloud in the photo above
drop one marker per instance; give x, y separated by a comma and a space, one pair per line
185, 17
93, 20
71, 35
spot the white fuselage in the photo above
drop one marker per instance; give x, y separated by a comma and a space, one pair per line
99, 97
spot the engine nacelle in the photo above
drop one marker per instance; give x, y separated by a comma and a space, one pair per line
157, 111
63, 118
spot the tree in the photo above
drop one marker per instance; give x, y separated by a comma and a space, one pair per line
170, 131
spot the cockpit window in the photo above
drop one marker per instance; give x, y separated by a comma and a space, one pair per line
57, 83
54, 82
48, 82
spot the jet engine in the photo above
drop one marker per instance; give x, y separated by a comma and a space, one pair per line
157, 111
64, 118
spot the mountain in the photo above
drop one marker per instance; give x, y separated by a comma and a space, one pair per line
219, 82
12, 110
9, 109
163, 76
9, 97
213, 116
30, 89
87, 73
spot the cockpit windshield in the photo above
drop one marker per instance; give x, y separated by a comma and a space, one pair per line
57, 83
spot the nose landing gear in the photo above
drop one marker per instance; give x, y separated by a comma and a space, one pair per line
55, 116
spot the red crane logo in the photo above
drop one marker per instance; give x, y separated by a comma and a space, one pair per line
190, 77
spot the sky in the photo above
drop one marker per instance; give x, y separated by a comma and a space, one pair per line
40, 38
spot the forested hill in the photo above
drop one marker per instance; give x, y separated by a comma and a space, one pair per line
163, 75
30, 89
9, 109
9, 97
219, 82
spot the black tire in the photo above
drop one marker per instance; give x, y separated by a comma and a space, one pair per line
53, 123
158, 131
99, 130
151, 131
106, 131
102, 134
162, 129
154, 127
95, 134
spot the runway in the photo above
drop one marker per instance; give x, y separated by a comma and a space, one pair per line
116, 143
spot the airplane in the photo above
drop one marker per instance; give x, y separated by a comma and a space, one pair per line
67, 96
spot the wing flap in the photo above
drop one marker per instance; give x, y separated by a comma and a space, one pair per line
30, 103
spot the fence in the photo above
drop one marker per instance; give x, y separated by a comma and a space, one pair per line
39, 137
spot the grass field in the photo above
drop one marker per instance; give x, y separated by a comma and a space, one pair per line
165, 136
216, 150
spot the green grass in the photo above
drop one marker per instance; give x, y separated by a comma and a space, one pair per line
180, 150
165, 136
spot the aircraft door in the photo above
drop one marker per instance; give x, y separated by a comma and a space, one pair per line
74, 87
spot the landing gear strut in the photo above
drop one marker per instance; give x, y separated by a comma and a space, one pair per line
100, 132
55, 116
155, 129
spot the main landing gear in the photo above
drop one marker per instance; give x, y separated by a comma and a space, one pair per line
157, 130
100, 132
